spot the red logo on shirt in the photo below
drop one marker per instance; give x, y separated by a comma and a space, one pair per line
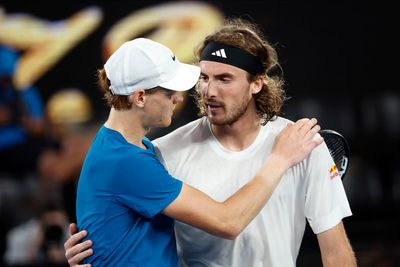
333, 171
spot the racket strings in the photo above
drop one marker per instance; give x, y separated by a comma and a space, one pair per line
336, 150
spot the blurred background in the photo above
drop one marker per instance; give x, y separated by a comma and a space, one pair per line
338, 65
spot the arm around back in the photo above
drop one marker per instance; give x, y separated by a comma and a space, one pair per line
227, 219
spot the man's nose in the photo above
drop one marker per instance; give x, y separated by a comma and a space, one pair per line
210, 89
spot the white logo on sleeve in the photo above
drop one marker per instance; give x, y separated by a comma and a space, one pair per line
219, 53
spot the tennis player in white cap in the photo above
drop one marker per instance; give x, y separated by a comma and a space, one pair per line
126, 200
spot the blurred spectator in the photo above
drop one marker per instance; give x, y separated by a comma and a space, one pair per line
69, 114
39, 241
21, 121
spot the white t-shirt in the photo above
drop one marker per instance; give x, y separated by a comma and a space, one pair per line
193, 154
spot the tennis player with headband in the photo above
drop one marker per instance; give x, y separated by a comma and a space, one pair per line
126, 199
222, 151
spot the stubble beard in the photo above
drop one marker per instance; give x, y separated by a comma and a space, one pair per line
232, 115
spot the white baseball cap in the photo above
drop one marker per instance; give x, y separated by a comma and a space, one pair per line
145, 64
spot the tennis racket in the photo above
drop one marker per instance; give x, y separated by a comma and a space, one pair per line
338, 148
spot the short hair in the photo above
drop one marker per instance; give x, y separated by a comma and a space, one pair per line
119, 102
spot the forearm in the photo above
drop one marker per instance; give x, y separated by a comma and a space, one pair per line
335, 247
343, 258
227, 219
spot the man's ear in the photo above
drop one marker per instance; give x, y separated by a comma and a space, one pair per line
257, 85
138, 98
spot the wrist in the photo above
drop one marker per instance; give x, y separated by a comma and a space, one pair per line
279, 163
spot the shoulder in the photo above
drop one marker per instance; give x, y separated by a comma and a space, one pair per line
319, 154
276, 125
191, 131
177, 144
110, 146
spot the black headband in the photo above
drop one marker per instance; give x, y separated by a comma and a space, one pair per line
232, 56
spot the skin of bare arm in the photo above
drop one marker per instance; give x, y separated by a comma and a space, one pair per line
335, 247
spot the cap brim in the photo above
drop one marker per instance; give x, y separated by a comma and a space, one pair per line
185, 78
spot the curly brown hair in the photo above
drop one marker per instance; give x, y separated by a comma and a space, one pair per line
248, 37
119, 102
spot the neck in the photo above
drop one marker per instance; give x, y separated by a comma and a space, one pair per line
240, 134
128, 125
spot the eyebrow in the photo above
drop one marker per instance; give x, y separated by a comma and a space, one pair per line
221, 75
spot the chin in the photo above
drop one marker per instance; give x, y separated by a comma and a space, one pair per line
216, 119
166, 123
222, 120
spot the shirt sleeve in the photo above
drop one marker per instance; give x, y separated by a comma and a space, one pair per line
326, 202
146, 186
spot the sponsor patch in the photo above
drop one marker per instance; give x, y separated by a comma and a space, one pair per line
333, 172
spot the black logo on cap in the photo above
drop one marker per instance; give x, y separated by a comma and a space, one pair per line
173, 57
